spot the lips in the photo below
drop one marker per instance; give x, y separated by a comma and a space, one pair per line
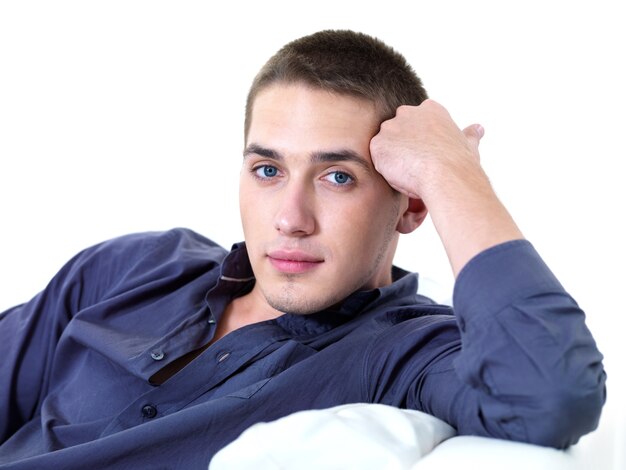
293, 262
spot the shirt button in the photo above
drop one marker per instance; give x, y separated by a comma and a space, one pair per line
149, 411
157, 355
223, 357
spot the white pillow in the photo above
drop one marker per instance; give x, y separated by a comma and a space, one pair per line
490, 454
359, 436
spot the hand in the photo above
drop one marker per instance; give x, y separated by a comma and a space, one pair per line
424, 155
421, 149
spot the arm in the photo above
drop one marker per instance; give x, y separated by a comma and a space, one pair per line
30, 333
28, 338
528, 368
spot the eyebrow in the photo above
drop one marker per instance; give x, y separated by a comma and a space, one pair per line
343, 155
262, 151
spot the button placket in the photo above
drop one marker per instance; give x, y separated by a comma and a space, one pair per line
221, 357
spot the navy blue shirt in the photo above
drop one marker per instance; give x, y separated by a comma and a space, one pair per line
514, 360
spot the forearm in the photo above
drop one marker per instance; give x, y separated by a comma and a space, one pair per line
468, 216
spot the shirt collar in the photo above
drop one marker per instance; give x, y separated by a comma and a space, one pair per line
236, 266
236, 269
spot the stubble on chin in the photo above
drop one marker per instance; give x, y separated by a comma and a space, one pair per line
288, 298
292, 296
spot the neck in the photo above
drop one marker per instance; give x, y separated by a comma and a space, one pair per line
245, 310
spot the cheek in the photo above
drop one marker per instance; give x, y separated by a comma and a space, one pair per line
252, 222
363, 227
250, 207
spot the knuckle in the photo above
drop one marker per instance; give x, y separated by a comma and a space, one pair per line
385, 125
404, 109
374, 142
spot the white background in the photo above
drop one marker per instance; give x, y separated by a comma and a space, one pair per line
124, 116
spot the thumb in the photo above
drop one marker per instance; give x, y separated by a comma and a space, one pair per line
474, 133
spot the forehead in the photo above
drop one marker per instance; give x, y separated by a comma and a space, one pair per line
292, 113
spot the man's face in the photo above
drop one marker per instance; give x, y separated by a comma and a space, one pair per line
319, 221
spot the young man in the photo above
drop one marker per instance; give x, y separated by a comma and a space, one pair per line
158, 349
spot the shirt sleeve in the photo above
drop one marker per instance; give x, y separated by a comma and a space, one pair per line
30, 333
526, 368
28, 337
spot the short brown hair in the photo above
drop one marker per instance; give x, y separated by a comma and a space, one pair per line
344, 62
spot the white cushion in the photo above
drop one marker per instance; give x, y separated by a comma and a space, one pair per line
359, 436
487, 454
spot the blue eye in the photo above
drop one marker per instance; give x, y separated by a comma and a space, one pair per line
266, 171
339, 178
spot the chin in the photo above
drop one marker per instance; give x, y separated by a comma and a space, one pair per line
294, 306
290, 300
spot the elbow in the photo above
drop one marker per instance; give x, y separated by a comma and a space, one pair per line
566, 414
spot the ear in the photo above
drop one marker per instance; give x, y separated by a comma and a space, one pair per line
413, 216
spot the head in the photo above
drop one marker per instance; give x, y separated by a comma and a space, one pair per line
344, 62
319, 221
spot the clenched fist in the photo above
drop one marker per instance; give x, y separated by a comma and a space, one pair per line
424, 155
421, 149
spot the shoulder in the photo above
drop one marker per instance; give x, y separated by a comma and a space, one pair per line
142, 258
151, 239
159, 244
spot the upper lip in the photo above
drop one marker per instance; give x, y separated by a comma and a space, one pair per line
294, 255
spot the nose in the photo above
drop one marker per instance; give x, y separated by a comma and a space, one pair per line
295, 215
